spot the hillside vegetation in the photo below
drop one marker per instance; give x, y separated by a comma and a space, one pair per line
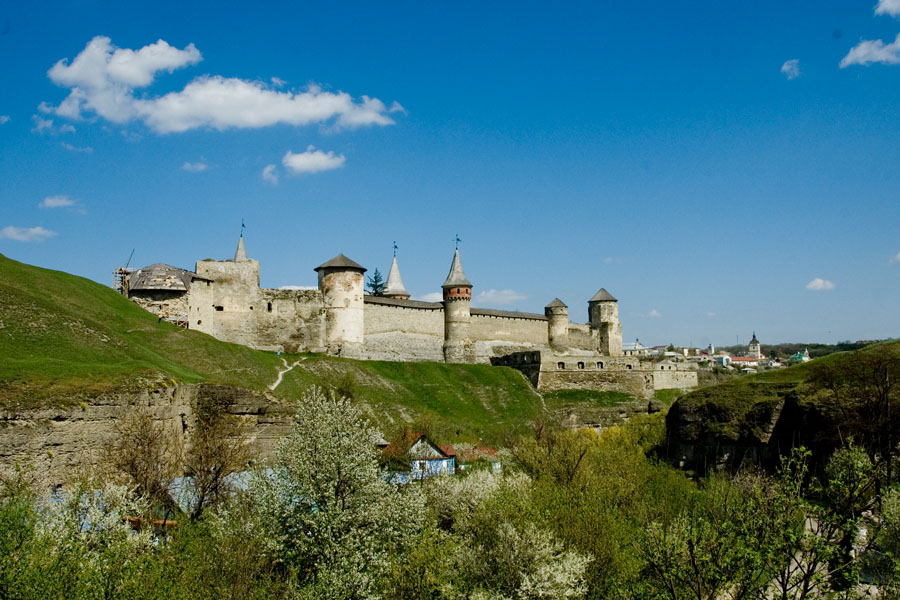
65, 339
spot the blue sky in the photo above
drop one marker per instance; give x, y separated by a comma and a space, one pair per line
707, 163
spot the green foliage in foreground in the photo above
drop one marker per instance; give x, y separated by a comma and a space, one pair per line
576, 514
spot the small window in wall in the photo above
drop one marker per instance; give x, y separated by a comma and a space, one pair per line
220, 308
269, 307
251, 308
199, 321
560, 365
628, 367
581, 365
599, 365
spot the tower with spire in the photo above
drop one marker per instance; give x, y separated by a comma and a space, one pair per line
457, 292
603, 311
394, 286
754, 349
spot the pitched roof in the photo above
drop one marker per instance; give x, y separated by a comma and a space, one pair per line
240, 255
394, 285
161, 276
456, 277
602, 296
556, 303
341, 262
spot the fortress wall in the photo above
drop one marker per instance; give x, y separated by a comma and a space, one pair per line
580, 337
172, 306
664, 380
403, 331
636, 383
290, 320
495, 327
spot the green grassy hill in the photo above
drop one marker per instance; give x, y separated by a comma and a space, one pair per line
65, 339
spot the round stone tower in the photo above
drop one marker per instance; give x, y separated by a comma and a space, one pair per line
457, 302
603, 311
557, 314
342, 283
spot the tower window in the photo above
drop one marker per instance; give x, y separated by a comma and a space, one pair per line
599, 365
581, 365
560, 365
628, 367
269, 307
220, 308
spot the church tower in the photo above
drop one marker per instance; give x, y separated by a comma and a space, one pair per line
457, 304
754, 349
603, 311
341, 282
394, 286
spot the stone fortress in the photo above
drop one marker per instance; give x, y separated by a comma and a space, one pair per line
224, 299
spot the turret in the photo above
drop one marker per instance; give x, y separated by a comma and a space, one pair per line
603, 310
240, 255
457, 303
341, 282
394, 286
557, 314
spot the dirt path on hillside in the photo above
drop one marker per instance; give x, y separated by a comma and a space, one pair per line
283, 371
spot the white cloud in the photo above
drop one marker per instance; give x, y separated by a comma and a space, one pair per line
56, 202
71, 148
501, 296
888, 7
896, 259
26, 234
269, 174
818, 284
711, 315
654, 314
4, 119
102, 80
873, 51
612, 259
431, 297
791, 68
196, 167
312, 161
42, 125
278, 82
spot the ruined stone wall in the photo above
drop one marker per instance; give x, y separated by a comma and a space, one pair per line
171, 306
401, 330
290, 320
682, 380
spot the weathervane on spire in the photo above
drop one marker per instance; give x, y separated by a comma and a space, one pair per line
457, 241
395, 249
242, 226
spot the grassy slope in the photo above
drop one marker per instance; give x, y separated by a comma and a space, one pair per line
64, 339
727, 404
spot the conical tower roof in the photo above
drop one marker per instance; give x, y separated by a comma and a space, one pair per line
341, 262
456, 278
394, 285
240, 255
556, 303
603, 296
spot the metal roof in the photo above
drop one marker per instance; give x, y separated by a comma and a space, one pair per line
456, 277
403, 303
341, 262
394, 285
556, 303
603, 296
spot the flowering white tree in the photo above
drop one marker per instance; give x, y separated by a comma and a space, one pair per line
325, 506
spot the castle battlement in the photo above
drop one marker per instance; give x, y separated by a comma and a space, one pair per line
224, 299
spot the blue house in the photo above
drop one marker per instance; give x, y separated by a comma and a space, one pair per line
423, 457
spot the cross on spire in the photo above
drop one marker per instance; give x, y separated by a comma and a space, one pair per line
458, 240
395, 249
243, 227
